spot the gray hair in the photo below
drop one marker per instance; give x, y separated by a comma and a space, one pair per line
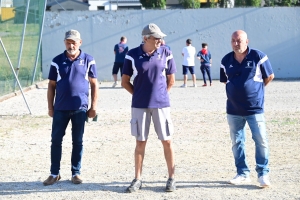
143, 37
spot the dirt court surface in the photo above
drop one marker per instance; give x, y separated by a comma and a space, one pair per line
204, 161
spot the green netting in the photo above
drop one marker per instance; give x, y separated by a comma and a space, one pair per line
12, 23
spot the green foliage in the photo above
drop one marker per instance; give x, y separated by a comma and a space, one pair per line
190, 3
288, 3
153, 3
213, 4
247, 3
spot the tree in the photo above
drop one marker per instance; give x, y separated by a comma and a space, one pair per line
153, 3
247, 3
190, 3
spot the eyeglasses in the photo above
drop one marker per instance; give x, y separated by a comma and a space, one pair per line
156, 39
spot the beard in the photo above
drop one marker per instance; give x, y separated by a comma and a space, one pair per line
72, 51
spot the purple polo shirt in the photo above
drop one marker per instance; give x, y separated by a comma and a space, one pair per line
72, 84
244, 82
149, 72
121, 49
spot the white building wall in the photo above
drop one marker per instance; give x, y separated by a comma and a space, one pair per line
274, 31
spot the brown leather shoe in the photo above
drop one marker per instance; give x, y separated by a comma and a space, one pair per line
76, 179
50, 180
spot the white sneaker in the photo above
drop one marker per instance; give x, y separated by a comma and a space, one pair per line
184, 86
115, 84
264, 181
238, 179
195, 85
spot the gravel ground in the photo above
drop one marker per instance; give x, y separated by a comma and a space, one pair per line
204, 162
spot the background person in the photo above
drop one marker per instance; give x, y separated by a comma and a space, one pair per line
153, 69
205, 62
70, 75
163, 44
120, 51
246, 72
188, 62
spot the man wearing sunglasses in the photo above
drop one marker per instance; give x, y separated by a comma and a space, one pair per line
153, 70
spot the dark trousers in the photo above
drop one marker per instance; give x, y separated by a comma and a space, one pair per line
59, 125
205, 69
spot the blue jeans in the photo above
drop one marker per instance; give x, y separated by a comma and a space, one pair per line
205, 68
259, 135
59, 125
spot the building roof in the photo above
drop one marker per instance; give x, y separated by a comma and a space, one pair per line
54, 2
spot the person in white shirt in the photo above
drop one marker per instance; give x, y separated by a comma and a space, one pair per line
188, 63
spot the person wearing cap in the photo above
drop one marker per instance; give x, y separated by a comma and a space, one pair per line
120, 51
205, 59
188, 63
153, 70
71, 73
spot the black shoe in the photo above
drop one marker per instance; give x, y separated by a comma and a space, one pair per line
134, 186
171, 185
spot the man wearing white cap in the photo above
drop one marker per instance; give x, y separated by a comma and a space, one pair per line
71, 73
153, 69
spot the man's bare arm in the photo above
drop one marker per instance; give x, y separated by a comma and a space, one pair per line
269, 79
170, 81
50, 97
126, 83
94, 97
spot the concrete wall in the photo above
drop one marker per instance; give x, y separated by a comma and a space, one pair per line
275, 31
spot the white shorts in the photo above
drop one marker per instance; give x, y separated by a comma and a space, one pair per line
141, 119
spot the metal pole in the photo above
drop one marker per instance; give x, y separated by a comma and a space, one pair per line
12, 68
59, 5
22, 41
39, 46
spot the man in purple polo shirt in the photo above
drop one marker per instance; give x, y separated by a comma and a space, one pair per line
153, 69
120, 51
70, 75
246, 72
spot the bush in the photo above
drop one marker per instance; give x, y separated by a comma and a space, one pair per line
190, 3
153, 3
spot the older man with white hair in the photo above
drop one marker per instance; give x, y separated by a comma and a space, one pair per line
153, 69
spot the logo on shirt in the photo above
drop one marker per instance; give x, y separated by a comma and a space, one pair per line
249, 64
81, 62
159, 57
141, 57
64, 63
230, 66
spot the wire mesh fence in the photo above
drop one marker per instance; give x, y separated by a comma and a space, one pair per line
20, 32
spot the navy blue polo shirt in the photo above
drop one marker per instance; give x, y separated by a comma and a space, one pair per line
244, 82
72, 84
121, 49
150, 83
206, 58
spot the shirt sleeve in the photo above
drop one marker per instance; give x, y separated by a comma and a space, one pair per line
53, 72
266, 68
128, 65
92, 68
223, 76
126, 49
171, 64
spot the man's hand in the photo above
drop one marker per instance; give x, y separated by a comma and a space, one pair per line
91, 113
50, 113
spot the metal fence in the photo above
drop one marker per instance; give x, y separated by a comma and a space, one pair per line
21, 25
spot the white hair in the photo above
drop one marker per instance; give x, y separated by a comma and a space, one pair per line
145, 36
